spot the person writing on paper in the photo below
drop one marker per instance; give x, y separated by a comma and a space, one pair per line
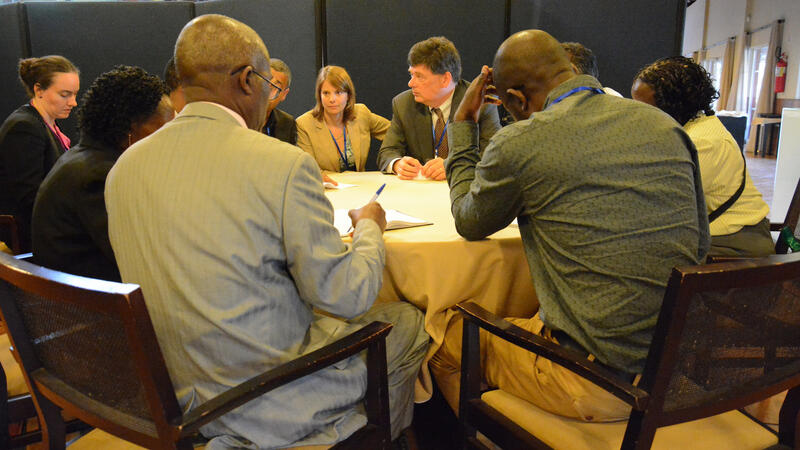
737, 213
338, 130
416, 143
603, 220
239, 263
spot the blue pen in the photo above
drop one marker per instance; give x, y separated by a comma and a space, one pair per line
374, 197
377, 193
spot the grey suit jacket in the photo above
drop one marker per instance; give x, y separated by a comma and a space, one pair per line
410, 133
230, 236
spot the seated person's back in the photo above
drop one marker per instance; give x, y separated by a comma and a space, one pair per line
608, 201
737, 213
230, 236
70, 225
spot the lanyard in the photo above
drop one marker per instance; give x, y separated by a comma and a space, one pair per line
339, 150
574, 91
441, 138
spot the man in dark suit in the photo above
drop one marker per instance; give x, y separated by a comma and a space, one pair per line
280, 124
416, 143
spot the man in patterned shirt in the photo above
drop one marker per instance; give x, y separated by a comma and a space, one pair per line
608, 198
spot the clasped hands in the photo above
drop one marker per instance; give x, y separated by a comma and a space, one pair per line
408, 168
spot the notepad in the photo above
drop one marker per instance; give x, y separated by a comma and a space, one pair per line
329, 185
395, 220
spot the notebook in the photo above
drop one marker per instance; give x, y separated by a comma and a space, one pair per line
395, 220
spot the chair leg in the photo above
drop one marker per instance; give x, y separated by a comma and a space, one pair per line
470, 379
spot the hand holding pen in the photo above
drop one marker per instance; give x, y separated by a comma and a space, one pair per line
372, 210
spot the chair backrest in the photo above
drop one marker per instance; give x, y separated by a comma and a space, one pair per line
88, 346
728, 335
791, 220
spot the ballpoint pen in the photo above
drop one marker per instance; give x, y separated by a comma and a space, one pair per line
374, 197
377, 193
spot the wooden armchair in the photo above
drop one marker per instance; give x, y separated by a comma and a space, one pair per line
684, 399
88, 347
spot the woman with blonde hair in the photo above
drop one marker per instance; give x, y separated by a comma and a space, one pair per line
338, 130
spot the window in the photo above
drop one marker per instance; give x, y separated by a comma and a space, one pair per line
753, 75
714, 68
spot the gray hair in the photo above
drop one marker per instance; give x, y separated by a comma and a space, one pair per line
279, 66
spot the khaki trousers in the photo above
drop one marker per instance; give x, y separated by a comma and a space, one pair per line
526, 375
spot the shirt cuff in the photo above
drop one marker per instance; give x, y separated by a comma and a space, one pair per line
390, 167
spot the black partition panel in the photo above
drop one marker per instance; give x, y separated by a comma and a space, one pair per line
371, 40
98, 36
288, 28
14, 47
624, 34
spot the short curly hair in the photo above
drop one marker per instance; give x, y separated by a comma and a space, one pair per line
117, 99
681, 87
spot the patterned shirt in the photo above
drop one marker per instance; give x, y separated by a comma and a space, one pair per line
608, 197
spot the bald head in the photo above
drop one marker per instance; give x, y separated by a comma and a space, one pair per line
531, 63
215, 60
215, 44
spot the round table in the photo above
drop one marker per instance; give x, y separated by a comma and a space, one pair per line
432, 266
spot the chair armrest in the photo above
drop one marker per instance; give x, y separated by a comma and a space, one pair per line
562, 356
775, 226
281, 375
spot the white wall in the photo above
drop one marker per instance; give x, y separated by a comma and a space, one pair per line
693, 28
728, 18
763, 12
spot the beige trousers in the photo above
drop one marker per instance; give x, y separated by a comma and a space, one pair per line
526, 375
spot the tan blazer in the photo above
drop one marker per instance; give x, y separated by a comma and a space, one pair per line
313, 137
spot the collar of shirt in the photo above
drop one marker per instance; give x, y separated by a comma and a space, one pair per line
445, 107
233, 113
563, 88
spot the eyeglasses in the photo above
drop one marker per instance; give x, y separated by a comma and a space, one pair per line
276, 89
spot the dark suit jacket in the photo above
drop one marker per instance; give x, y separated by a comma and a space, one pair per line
282, 126
70, 224
410, 133
27, 152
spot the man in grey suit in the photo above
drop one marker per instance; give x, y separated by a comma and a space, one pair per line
416, 142
230, 236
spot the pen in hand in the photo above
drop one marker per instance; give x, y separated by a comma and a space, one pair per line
377, 193
374, 197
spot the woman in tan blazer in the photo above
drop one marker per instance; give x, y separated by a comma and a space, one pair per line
338, 130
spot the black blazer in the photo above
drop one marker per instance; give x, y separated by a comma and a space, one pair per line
410, 133
70, 223
28, 149
281, 125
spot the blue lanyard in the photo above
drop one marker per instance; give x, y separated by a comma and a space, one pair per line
573, 91
339, 150
441, 138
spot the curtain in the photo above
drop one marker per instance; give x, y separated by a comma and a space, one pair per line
726, 77
766, 96
737, 72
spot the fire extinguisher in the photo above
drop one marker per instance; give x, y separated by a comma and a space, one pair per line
780, 73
